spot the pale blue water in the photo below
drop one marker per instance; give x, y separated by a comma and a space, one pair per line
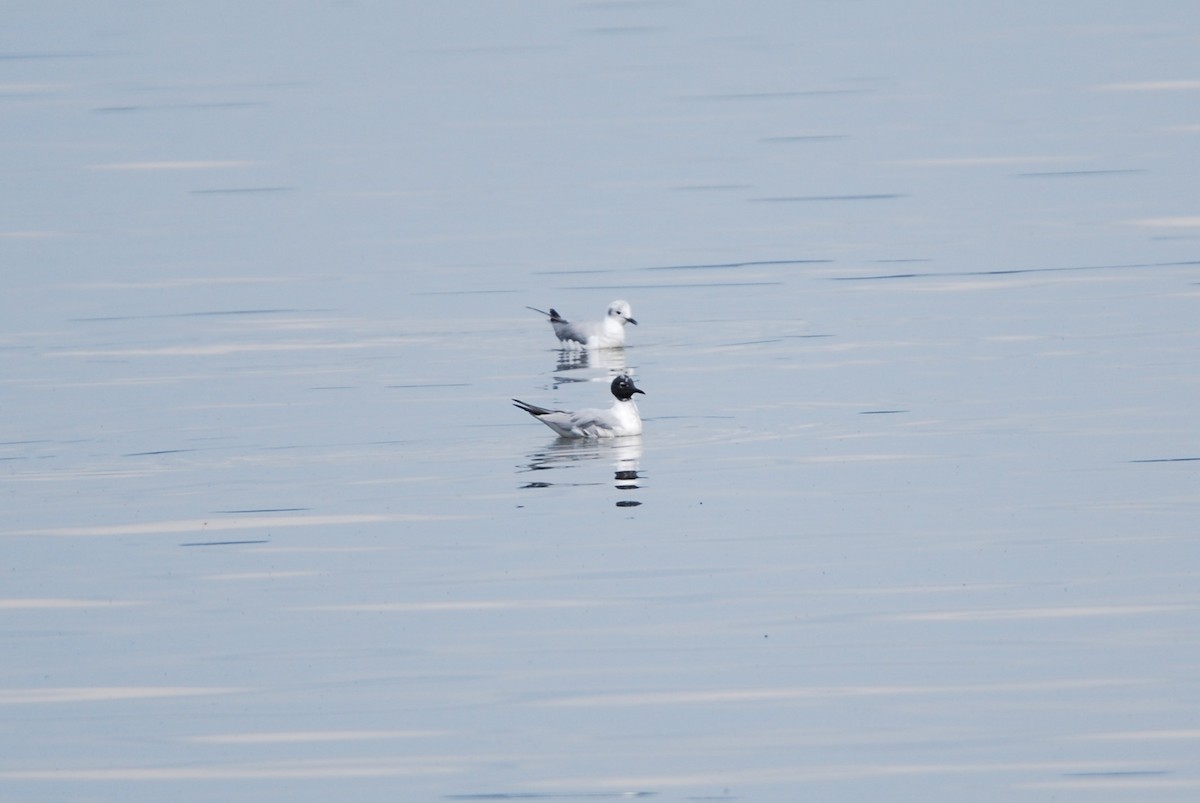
915, 510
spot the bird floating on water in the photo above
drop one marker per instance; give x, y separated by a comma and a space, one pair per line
621, 419
608, 333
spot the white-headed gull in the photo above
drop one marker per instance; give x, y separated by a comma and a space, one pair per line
621, 419
608, 333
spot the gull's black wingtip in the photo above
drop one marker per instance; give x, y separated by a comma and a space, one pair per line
552, 314
527, 407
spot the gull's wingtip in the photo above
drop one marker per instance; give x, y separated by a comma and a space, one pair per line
552, 314
532, 409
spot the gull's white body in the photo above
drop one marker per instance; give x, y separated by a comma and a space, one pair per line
607, 333
623, 418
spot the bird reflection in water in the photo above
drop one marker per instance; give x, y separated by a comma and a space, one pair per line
599, 365
561, 455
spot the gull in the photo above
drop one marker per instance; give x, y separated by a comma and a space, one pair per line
621, 419
606, 334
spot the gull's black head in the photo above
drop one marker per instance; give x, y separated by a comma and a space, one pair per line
623, 388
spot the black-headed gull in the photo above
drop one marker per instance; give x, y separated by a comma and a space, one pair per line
621, 419
608, 333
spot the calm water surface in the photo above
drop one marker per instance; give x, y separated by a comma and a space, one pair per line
914, 514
